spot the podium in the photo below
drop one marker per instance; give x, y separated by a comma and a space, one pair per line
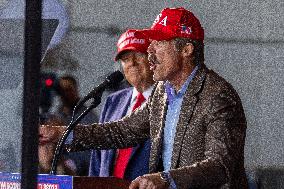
45, 181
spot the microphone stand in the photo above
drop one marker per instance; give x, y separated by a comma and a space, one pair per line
70, 127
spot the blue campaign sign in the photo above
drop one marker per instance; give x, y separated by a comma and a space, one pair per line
54, 182
13, 181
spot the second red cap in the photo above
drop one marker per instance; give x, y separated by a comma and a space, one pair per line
128, 41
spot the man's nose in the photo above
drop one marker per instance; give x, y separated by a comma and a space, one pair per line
132, 61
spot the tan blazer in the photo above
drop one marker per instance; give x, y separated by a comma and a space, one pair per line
208, 148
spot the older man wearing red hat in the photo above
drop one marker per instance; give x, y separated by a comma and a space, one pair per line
194, 118
131, 162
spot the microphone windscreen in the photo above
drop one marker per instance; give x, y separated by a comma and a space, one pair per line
115, 78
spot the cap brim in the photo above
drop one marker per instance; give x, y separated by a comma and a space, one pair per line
153, 34
116, 58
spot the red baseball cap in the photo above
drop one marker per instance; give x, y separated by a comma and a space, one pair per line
172, 23
128, 41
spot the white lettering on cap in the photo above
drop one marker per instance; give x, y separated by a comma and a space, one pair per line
131, 41
123, 44
130, 34
125, 36
138, 41
157, 18
164, 21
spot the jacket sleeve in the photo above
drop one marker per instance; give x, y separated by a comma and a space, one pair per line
127, 132
224, 143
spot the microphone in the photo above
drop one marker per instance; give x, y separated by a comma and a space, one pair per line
113, 79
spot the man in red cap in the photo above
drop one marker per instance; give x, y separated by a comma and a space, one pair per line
194, 118
131, 162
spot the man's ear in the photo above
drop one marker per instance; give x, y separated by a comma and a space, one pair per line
187, 50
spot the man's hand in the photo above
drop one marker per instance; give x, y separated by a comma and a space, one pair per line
149, 181
48, 138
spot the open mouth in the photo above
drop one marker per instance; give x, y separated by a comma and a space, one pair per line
153, 61
153, 67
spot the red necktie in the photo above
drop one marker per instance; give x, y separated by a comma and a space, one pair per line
123, 155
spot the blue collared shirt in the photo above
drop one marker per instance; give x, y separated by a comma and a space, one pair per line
172, 117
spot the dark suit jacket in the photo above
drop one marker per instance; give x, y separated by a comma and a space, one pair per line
208, 149
102, 161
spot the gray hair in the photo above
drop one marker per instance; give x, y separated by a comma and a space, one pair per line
198, 52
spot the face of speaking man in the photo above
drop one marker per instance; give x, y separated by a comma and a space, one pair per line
166, 61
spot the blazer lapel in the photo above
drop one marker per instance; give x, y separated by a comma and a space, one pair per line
157, 129
125, 102
160, 130
108, 156
187, 108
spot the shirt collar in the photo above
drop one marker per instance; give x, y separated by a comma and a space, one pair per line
171, 93
146, 93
